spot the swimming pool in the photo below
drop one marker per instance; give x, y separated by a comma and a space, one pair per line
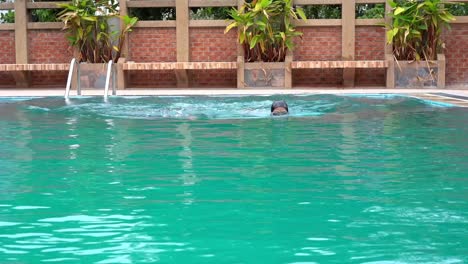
343, 179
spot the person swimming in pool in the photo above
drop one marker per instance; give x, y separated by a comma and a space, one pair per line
279, 108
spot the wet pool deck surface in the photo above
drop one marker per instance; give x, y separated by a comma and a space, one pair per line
458, 97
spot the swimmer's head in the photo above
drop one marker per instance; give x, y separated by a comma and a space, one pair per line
279, 108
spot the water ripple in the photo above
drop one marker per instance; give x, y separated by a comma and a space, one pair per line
343, 179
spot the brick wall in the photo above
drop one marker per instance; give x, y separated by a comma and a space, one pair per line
370, 45
49, 46
457, 55
152, 45
213, 45
7, 55
318, 43
151, 79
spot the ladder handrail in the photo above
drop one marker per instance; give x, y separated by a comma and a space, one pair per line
110, 72
108, 75
114, 80
70, 76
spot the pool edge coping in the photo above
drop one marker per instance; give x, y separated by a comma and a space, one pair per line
189, 92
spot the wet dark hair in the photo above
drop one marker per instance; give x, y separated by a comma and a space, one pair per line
277, 104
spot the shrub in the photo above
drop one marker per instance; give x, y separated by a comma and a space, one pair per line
265, 29
417, 27
87, 24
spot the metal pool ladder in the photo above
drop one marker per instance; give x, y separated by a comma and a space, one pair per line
73, 64
109, 74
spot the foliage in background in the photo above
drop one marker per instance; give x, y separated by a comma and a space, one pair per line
7, 17
265, 29
334, 11
322, 11
460, 9
216, 13
163, 13
416, 28
45, 15
210, 13
311, 11
370, 10
169, 13
88, 28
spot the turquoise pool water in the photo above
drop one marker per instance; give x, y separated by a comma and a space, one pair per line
343, 179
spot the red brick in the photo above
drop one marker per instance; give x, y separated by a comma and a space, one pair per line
7, 47
7, 56
49, 46
152, 45
456, 53
211, 44
370, 45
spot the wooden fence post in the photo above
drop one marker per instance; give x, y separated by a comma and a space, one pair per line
441, 71
288, 70
390, 82
124, 12
388, 20
121, 74
21, 42
240, 57
183, 46
348, 19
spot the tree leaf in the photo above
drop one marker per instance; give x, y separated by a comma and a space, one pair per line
301, 13
399, 10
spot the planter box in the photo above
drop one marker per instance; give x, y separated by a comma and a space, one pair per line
259, 75
92, 75
417, 74
264, 74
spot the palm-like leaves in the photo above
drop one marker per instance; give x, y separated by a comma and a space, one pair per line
265, 29
416, 29
86, 22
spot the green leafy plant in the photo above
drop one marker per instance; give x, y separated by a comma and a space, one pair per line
416, 29
209, 13
370, 11
154, 13
88, 28
322, 11
265, 29
459, 9
44, 15
7, 17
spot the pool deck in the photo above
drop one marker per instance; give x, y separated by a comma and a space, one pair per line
457, 97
